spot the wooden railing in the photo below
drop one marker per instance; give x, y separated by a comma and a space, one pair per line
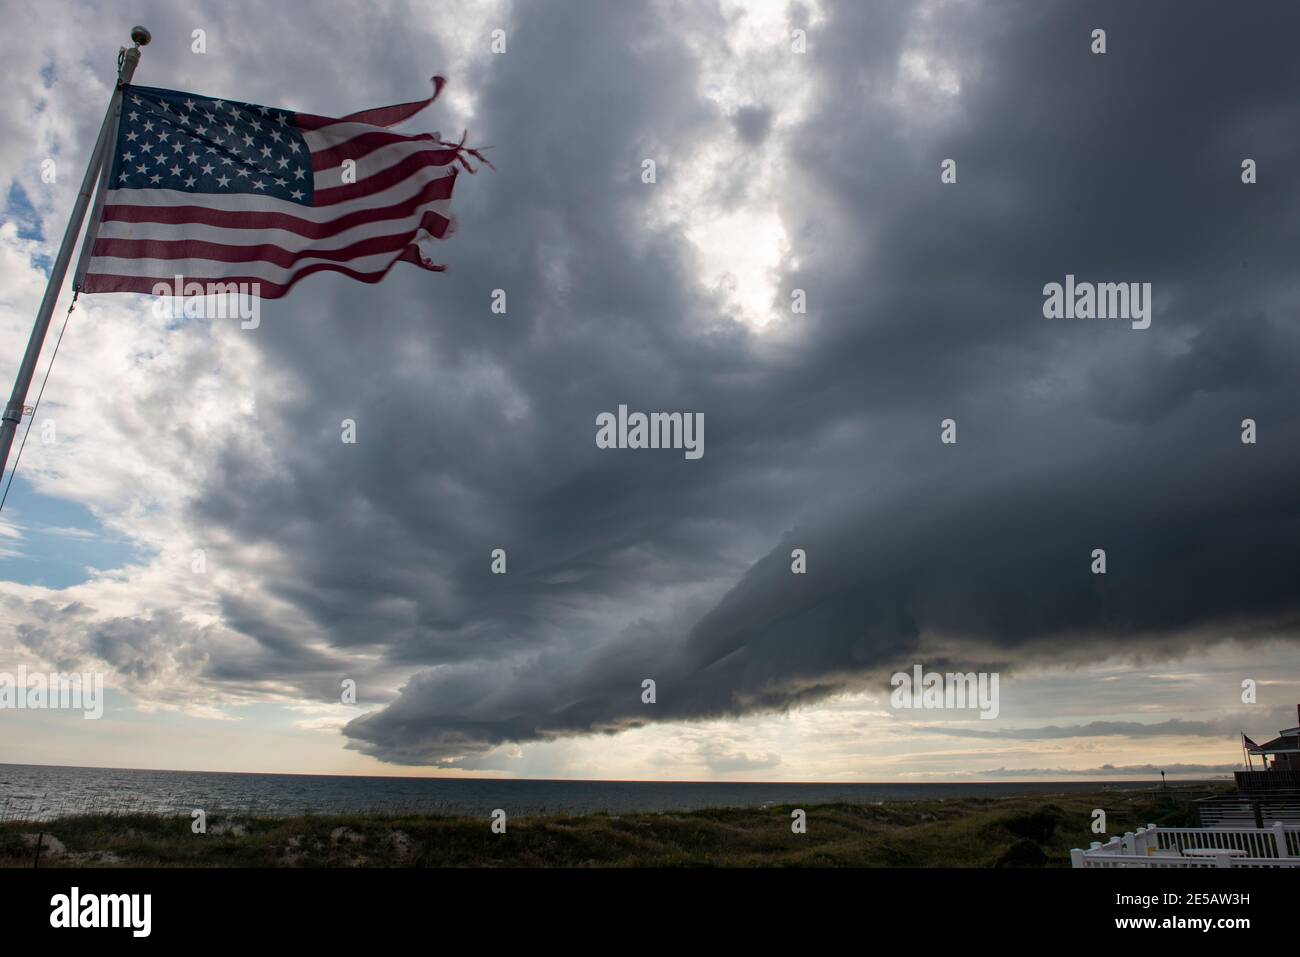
1151, 846
1257, 808
1267, 780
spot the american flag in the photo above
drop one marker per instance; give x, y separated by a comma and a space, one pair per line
218, 191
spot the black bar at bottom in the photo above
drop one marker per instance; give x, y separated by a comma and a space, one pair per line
333, 907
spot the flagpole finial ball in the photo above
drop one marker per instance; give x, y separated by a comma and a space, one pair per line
140, 36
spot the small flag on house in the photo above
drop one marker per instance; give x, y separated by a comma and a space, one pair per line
211, 191
1250, 745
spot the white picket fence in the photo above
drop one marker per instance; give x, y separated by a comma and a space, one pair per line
1151, 846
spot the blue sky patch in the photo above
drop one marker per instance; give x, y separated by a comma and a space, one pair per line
58, 542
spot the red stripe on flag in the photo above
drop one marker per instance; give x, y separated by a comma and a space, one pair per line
364, 145
379, 116
378, 182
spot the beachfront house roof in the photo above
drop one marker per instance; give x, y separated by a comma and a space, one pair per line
1286, 744
1287, 741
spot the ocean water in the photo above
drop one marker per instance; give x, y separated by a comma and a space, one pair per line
37, 792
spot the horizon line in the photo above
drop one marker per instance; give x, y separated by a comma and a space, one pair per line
442, 777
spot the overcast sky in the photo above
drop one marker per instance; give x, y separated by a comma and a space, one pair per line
776, 171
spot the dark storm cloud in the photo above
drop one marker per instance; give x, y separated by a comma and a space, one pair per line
752, 123
476, 431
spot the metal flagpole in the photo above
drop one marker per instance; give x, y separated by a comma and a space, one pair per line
13, 412
105, 167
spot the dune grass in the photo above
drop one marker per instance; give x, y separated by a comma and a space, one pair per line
1023, 831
